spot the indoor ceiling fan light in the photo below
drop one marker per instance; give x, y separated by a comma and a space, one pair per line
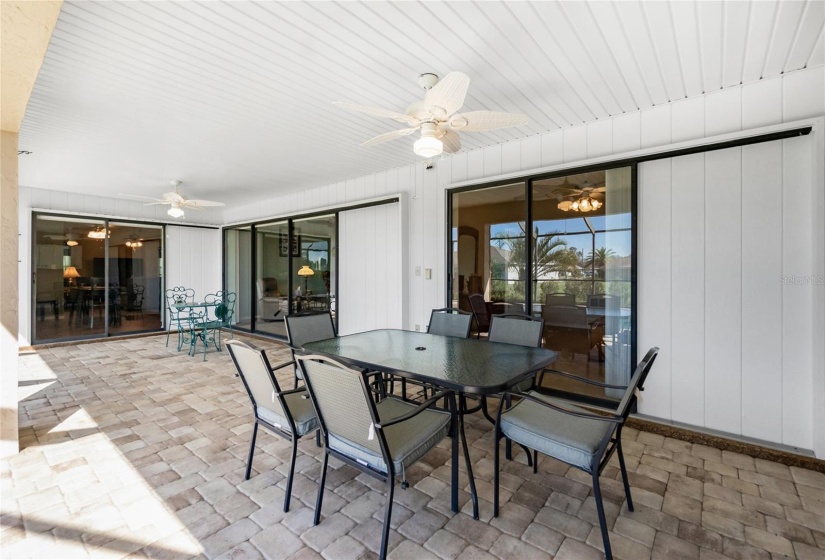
565, 205
428, 146
71, 243
175, 212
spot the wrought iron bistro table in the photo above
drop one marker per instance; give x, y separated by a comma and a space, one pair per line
467, 366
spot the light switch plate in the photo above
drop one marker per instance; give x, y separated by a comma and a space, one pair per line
428, 274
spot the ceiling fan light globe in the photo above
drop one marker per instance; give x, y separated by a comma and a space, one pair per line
565, 205
71, 243
175, 212
428, 147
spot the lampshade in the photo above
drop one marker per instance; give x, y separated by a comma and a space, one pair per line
70, 272
175, 212
306, 271
428, 147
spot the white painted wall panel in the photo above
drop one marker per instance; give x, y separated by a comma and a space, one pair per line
761, 292
370, 286
723, 290
687, 261
797, 291
654, 283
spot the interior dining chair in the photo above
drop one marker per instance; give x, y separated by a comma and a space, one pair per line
288, 414
380, 439
571, 434
481, 314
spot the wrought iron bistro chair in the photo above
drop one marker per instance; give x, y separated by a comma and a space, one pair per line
571, 434
380, 439
523, 330
224, 313
203, 329
288, 414
178, 295
305, 328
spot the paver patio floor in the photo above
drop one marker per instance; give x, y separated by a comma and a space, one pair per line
133, 449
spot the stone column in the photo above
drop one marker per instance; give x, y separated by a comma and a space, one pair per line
8, 293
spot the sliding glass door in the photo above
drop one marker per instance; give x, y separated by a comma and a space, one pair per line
565, 245
94, 278
280, 268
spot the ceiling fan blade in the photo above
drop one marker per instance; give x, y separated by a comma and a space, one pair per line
377, 112
447, 96
139, 197
161, 203
171, 197
201, 203
386, 137
452, 141
479, 121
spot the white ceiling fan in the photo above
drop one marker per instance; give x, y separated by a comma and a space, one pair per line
176, 201
436, 116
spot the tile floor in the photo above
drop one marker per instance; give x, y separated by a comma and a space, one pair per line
131, 449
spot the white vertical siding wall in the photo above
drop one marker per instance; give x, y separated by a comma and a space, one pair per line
370, 282
193, 259
717, 233
63, 202
682, 389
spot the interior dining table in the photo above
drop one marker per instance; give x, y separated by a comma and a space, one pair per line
467, 366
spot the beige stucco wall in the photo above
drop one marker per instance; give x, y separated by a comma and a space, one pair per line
24, 38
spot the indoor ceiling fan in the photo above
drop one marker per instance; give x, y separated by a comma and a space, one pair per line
436, 116
579, 198
176, 201
69, 238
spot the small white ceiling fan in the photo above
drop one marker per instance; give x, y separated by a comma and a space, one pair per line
436, 116
176, 201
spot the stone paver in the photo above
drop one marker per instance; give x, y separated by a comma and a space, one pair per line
131, 448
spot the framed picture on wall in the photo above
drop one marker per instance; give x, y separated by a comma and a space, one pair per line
287, 248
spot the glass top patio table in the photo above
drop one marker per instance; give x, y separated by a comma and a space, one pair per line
463, 364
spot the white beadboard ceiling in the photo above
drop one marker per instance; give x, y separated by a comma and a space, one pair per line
234, 98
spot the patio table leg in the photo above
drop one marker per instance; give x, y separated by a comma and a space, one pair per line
462, 407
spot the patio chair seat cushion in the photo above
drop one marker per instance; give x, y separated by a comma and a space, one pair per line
302, 413
561, 436
408, 441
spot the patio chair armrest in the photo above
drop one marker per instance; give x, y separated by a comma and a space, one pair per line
604, 418
582, 379
283, 365
418, 410
292, 391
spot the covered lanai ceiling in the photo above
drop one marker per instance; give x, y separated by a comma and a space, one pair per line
235, 98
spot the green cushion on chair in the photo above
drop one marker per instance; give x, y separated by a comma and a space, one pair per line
408, 441
567, 438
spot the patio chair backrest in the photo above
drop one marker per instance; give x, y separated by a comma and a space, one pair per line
565, 317
637, 381
450, 322
303, 329
342, 402
256, 374
560, 299
606, 301
178, 294
225, 310
516, 328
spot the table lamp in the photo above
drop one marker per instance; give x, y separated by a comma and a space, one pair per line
70, 273
306, 272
